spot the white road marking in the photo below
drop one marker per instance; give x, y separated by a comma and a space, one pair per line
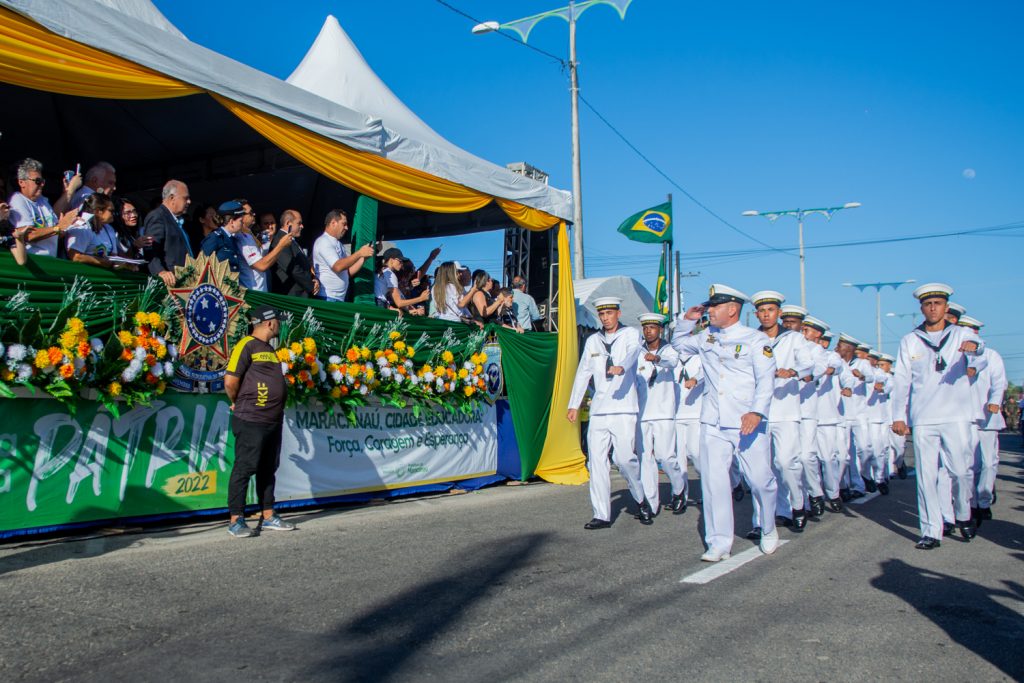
722, 568
865, 498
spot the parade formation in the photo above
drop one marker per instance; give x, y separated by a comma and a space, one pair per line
805, 427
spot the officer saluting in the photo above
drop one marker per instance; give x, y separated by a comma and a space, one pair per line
609, 358
739, 377
931, 393
255, 385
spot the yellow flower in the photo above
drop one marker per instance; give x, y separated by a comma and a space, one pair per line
447, 356
426, 368
296, 348
6, 375
161, 387
126, 338
161, 351
394, 334
478, 369
392, 358
336, 392
76, 325
42, 360
155, 320
410, 352
365, 353
283, 355
309, 345
314, 368
463, 373
114, 389
369, 372
141, 318
353, 370
68, 340
469, 391
399, 346
378, 353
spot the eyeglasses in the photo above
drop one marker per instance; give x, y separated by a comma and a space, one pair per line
130, 212
38, 181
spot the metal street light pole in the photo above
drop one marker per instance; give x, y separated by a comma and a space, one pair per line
523, 27
878, 287
799, 214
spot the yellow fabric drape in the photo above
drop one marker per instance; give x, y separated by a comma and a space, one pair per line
562, 460
32, 57
526, 217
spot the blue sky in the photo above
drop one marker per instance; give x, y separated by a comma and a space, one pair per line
745, 105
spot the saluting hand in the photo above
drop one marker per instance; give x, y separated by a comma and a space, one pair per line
694, 313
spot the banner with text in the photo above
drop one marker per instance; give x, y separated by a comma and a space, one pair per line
175, 456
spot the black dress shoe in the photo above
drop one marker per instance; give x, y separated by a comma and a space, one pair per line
845, 495
927, 543
799, 521
883, 488
984, 513
967, 530
817, 506
754, 534
835, 505
646, 515
870, 486
677, 505
597, 524
855, 494
947, 528
901, 471
783, 521
737, 493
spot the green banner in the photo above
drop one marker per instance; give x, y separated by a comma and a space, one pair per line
57, 468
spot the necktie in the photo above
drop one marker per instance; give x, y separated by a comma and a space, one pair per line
608, 360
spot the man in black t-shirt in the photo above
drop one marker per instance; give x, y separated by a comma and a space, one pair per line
254, 383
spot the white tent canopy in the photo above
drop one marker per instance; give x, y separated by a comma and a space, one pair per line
636, 300
135, 30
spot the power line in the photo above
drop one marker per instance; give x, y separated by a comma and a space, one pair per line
515, 39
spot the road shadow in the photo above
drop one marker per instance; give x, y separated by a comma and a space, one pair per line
376, 644
966, 611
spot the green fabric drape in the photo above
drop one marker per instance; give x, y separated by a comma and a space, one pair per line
364, 231
528, 362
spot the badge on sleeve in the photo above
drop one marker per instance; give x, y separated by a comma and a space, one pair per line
768, 352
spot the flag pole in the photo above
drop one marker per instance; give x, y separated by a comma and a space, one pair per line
668, 262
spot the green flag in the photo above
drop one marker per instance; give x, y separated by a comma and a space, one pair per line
661, 290
652, 225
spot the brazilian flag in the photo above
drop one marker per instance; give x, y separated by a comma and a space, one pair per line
661, 291
652, 225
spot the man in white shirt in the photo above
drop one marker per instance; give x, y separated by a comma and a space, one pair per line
690, 385
657, 394
933, 395
257, 258
831, 433
855, 422
814, 464
610, 359
792, 362
29, 208
333, 263
897, 445
523, 305
989, 385
739, 372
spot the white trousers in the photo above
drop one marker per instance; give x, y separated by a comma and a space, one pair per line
658, 441
788, 469
857, 442
878, 467
897, 449
688, 448
946, 446
809, 458
831, 444
986, 466
718, 449
604, 433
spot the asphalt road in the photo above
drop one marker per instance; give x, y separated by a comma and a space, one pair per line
504, 584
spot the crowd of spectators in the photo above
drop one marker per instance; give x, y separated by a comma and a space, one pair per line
89, 223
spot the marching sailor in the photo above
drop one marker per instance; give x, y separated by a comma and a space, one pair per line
879, 415
832, 438
821, 468
658, 395
609, 358
855, 421
897, 444
932, 394
989, 385
739, 373
690, 385
792, 361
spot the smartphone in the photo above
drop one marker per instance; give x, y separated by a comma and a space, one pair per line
68, 175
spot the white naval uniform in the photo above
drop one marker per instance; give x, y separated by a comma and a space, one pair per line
938, 404
657, 436
989, 385
688, 414
790, 352
832, 438
854, 409
613, 413
897, 442
879, 416
738, 379
810, 460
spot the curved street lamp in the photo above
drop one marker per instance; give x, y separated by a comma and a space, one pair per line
878, 287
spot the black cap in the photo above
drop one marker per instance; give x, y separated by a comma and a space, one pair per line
261, 314
231, 208
392, 253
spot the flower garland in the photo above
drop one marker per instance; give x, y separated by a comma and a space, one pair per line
138, 360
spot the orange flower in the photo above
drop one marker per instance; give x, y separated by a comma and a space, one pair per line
291, 379
310, 358
126, 355
402, 370
84, 348
150, 360
344, 391
151, 378
352, 355
67, 370
309, 384
55, 355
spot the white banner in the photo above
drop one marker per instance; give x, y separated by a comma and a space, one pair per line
323, 455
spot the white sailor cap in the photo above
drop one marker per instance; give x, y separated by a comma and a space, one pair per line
861, 346
767, 296
968, 321
604, 302
793, 311
875, 354
853, 341
811, 321
956, 309
933, 289
723, 294
826, 335
887, 357
652, 319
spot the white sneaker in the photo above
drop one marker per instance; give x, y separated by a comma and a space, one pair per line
713, 555
769, 542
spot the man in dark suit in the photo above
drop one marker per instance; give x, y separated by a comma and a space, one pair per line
293, 272
165, 225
